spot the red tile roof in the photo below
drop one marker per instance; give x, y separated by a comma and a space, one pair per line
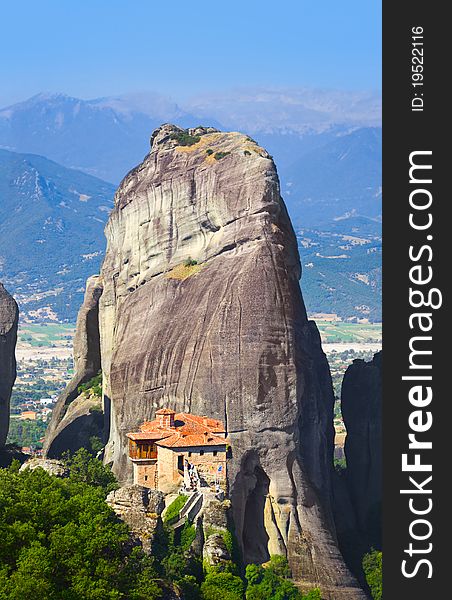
188, 430
148, 435
165, 411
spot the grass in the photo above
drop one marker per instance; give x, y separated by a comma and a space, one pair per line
172, 512
183, 271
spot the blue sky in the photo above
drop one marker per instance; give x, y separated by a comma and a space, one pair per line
91, 48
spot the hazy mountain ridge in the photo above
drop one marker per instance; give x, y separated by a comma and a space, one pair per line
106, 136
336, 180
52, 222
325, 145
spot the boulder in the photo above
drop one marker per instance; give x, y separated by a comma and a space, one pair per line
215, 552
140, 508
53, 467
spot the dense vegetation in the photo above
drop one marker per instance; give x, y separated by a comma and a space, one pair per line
342, 271
61, 541
372, 566
24, 432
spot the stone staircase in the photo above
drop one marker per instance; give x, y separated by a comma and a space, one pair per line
190, 509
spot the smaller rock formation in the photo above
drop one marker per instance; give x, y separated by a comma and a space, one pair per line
53, 467
216, 522
9, 318
140, 508
78, 417
361, 411
215, 552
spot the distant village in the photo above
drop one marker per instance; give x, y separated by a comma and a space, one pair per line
40, 410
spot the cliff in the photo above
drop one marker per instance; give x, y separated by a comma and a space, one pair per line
201, 311
9, 318
362, 414
78, 417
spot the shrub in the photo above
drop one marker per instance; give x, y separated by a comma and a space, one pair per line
340, 465
190, 262
222, 585
209, 151
372, 565
84, 468
185, 139
220, 155
189, 587
96, 444
279, 565
247, 153
93, 386
187, 535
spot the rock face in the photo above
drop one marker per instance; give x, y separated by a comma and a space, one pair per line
53, 467
202, 312
9, 318
140, 508
76, 417
214, 551
361, 411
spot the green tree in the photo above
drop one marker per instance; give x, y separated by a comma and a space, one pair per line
222, 585
84, 468
372, 565
271, 582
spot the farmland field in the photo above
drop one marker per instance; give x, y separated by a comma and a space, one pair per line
338, 332
46, 334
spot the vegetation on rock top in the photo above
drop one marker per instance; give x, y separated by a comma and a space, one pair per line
220, 155
185, 139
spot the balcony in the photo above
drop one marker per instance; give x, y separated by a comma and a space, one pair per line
142, 451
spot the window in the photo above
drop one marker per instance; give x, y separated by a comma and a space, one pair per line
215, 452
201, 452
189, 454
145, 477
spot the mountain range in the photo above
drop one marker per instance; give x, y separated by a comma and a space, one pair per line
52, 221
326, 145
